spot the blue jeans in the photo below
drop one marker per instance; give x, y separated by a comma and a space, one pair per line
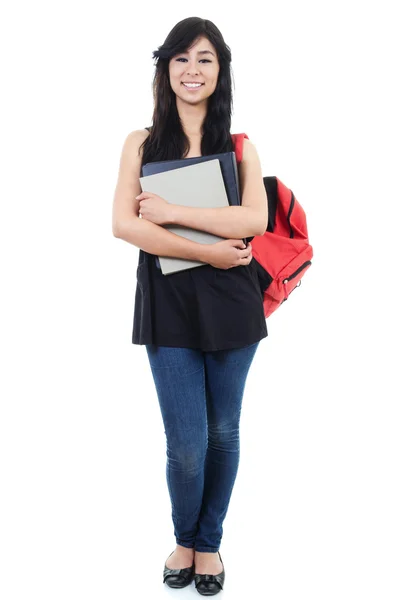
200, 395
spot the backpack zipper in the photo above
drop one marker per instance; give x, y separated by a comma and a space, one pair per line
287, 279
297, 271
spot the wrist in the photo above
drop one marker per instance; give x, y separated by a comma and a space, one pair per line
173, 214
204, 252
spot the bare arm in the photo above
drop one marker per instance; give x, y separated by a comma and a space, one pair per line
249, 219
154, 239
126, 223
226, 221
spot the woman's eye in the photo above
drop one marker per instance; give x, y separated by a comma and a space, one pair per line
203, 59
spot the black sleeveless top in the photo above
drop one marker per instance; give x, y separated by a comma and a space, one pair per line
203, 307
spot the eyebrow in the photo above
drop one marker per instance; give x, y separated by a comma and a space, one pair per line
201, 52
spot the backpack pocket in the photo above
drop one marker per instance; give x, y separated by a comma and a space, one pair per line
292, 281
286, 281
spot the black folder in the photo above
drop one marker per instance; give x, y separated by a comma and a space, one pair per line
228, 168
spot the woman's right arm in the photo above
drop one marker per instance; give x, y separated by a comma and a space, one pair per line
126, 223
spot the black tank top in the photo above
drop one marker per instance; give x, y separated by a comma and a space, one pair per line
203, 307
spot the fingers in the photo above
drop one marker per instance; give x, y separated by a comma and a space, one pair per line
246, 257
246, 251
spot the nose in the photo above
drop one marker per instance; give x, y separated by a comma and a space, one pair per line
192, 68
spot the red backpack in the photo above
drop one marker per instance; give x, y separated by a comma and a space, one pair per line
283, 252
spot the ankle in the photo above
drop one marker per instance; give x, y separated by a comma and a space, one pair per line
184, 550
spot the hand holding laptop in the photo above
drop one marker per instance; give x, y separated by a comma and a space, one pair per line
230, 253
154, 208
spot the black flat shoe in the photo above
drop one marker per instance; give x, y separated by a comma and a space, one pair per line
178, 578
208, 585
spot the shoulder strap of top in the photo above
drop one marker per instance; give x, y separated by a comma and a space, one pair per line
237, 139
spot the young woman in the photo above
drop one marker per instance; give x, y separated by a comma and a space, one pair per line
201, 326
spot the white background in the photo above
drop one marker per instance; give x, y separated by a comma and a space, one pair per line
85, 511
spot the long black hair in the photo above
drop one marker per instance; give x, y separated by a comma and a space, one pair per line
167, 139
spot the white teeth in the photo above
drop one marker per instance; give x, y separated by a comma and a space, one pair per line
192, 84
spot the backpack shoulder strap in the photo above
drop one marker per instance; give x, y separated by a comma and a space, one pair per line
237, 139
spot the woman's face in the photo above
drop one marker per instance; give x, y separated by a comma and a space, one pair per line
197, 64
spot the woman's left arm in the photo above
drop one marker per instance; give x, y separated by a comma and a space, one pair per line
249, 219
